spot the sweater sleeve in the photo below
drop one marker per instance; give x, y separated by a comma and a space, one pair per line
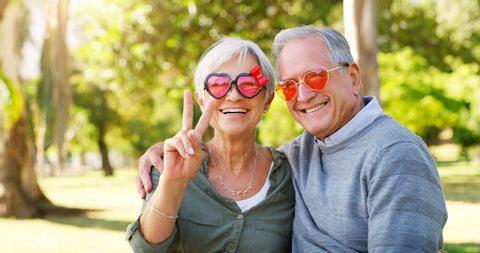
406, 205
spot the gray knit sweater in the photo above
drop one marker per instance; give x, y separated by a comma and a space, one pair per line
372, 186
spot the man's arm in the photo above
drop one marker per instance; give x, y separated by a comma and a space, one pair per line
405, 201
152, 157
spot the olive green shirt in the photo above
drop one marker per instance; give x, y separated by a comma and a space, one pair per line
210, 222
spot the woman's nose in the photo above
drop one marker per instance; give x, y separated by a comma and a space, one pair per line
233, 93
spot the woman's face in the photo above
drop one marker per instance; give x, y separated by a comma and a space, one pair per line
234, 114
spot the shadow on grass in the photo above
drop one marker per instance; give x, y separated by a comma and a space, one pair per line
79, 218
462, 188
462, 247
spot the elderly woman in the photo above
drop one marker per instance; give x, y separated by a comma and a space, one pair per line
229, 194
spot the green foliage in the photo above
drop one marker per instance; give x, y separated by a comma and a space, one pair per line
465, 83
427, 100
437, 30
11, 102
414, 94
141, 55
443, 89
278, 126
82, 135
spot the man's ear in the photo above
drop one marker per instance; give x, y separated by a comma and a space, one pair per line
354, 73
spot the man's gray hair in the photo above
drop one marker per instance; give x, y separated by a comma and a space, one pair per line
338, 49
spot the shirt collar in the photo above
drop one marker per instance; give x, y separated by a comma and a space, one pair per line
367, 115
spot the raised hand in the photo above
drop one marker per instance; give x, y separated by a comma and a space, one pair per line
183, 155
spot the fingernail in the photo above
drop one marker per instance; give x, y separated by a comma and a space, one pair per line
191, 151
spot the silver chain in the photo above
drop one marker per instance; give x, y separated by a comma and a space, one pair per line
222, 183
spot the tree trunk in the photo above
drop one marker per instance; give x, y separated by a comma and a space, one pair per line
106, 166
361, 32
20, 195
40, 149
54, 94
101, 122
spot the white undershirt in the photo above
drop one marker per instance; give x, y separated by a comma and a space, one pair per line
246, 204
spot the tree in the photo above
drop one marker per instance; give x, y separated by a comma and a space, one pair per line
100, 115
361, 32
144, 60
414, 94
20, 195
431, 62
433, 29
54, 94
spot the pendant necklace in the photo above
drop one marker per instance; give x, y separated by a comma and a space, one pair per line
222, 183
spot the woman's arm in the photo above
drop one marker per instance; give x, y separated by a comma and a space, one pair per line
183, 157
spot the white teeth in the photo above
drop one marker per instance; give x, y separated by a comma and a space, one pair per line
234, 111
315, 108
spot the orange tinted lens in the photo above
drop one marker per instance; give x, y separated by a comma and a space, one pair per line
316, 79
286, 90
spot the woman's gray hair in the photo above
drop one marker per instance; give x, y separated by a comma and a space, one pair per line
223, 51
338, 50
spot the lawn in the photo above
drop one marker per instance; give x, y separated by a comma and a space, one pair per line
114, 200
116, 203
461, 184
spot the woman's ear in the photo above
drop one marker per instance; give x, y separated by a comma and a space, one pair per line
201, 100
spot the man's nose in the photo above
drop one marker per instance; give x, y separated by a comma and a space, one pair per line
303, 92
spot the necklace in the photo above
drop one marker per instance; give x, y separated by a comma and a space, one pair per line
222, 183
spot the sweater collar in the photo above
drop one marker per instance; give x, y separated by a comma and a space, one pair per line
365, 117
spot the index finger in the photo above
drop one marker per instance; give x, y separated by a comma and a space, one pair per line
204, 120
187, 120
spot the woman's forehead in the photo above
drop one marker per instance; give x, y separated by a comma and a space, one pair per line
237, 65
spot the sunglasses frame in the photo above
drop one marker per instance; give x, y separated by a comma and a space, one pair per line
277, 86
232, 82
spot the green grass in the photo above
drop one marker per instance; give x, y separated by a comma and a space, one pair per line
116, 204
461, 184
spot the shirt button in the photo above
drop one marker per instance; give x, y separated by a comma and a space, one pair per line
240, 216
230, 245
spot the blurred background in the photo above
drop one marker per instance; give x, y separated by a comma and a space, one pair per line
87, 86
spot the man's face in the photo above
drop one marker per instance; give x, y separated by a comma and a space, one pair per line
320, 112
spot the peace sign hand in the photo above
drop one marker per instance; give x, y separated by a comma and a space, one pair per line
183, 154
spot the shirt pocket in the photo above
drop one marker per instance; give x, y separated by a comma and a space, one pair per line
200, 231
276, 215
